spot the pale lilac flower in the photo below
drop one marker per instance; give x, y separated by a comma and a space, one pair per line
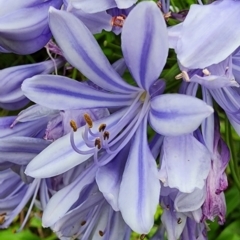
11, 95
24, 25
170, 114
212, 39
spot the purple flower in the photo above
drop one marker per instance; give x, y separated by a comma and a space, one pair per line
169, 114
11, 95
219, 38
216, 183
24, 25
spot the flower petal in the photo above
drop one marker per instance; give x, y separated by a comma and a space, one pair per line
109, 177
147, 56
93, 6
174, 34
176, 114
140, 187
174, 223
188, 202
95, 22
20, 150
186, 163
62, 93
12, 78
27, 129
52, 161
62, 201
82, 51
219, 37
123, 4
24, 30
214, 81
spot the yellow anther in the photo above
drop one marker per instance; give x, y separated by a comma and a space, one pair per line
179, 221
102, 127
184, 75
88, 120
83, 223
2, 218
206, 72
98, 143
73, 125
106, 135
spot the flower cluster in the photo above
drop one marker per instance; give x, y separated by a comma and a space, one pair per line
100, 154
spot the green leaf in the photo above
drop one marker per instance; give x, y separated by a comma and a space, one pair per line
231, 232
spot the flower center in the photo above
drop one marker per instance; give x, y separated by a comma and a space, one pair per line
143, 96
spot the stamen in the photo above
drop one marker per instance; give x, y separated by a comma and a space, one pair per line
167, 15
88, 120
98, 143
102, 127
2, 218
83, 223
206, 72
179, 221
31, 205
106, 135
118, 21
88, 142
73, 125
184, 75
159, 5
101, 233
75, 148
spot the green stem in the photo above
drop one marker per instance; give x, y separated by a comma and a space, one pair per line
111, 45
233, 159
74, 73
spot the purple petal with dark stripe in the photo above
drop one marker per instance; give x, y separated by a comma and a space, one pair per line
140, 186
82, 51
62, 201
20, 150
176, 114
145, 43
63, 93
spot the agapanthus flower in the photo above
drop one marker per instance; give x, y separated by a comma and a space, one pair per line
11, 95
213, 38
169, 114
17, 151
86, 214
24, 25
215, 68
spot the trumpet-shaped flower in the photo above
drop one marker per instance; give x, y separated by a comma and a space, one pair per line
169, 114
